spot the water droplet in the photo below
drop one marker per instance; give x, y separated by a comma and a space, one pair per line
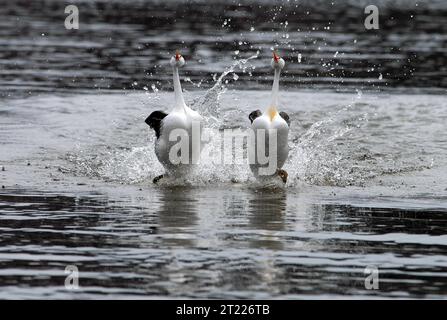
380, 77
359, 94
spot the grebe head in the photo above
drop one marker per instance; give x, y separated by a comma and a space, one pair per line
177, 60
277, 61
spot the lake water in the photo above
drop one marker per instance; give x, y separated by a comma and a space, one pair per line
367, 170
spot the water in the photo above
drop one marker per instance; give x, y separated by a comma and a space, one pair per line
124, 45
367, 171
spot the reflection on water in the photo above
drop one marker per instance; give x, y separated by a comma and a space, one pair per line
177, 216
162, 245
267, 210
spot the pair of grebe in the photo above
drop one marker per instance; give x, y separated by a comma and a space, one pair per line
183, 119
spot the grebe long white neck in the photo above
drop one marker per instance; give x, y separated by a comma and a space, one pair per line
179, 100
176, 62
277, 65
275, 88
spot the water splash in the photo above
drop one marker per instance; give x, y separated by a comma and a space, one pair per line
208, 105
334, 150
317, 157
140, 164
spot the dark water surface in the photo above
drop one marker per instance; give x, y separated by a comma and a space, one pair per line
367, 170
119, 43
279, 246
